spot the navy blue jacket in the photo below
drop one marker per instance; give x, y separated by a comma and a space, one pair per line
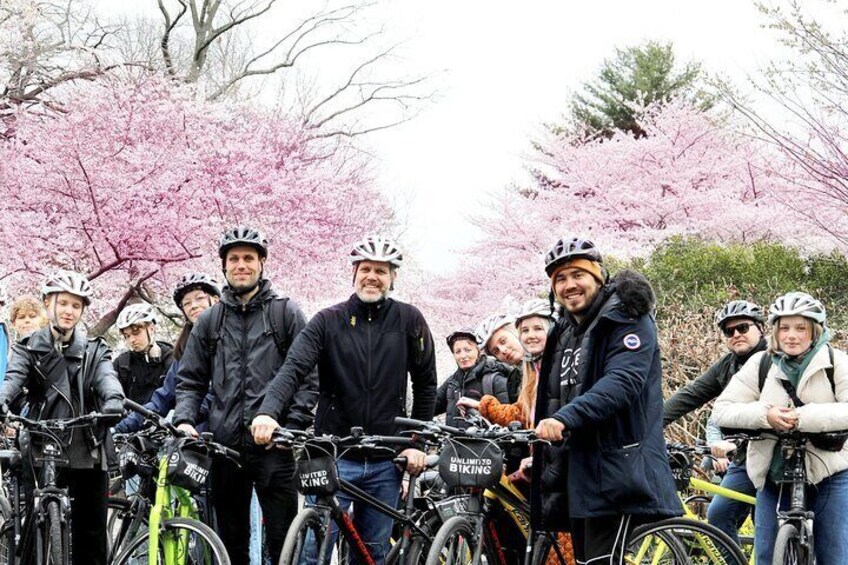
616, 460
163, 400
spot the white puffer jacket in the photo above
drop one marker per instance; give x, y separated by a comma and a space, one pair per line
742, 405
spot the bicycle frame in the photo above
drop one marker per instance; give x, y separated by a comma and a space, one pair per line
163, 509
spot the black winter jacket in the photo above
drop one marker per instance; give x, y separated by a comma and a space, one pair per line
363, 352
470, 383
141, 376
245, 360
37, 365
616, 460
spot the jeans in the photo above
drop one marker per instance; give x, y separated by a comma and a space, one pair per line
381, 479
255, 531
727, 514
829, 501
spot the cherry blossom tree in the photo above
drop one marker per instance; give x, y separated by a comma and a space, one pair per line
691, 174
133, 183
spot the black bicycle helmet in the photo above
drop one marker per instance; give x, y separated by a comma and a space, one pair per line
568, 249
243, 235
462, 333
195, 281
739, 309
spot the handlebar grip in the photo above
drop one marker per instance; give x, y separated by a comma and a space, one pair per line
136, 407
402, 421
231, 453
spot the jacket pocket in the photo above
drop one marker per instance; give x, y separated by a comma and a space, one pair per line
624, 476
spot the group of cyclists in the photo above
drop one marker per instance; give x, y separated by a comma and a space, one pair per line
582, 368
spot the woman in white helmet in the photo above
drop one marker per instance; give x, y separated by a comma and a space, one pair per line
66, 375
803, 387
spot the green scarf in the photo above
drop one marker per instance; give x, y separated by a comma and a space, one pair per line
793, 368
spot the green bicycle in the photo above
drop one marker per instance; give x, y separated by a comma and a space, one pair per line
175, 535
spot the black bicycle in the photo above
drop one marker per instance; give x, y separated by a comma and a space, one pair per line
50, 511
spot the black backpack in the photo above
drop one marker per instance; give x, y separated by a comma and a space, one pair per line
274, 313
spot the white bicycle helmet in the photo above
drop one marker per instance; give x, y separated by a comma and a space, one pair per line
535, 307
738, 309
67, 281
797, 304
487, 328
375, 248
243, 235
136, 314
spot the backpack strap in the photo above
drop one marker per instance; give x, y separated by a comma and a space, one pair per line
765, 365
830, 370
489, 384
216, 330
277, 318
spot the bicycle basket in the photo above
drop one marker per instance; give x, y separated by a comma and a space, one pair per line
187, 468
316, 475
470, 463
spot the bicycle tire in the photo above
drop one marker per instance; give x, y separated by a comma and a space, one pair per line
700, 542
306, 520
419, 545
118, 521
788, 548
53, 550
7, 532
454, 543
211, 552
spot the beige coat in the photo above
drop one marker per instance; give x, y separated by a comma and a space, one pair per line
742, 405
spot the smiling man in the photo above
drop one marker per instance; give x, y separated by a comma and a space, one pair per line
366, 349
600, 382
234, 350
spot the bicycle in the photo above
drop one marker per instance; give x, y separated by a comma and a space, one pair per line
317, 478
175, 535
681, 468
50, 511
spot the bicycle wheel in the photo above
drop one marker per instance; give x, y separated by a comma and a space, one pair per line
307, 524
119, 521
7, 532
419, 545
454, 543
181, 540
52, 535
789, 548
682, 540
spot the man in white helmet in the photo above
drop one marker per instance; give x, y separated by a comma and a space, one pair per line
366, 349
142, 368
66, 375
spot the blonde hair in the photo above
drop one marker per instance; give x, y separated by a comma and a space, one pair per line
529, 382
816, 330
27, 303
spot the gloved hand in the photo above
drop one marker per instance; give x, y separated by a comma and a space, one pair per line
113, 406
4, 409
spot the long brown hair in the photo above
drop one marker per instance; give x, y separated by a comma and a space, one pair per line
527, 394
182, 340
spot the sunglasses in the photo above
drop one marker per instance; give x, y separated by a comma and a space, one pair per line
741, 328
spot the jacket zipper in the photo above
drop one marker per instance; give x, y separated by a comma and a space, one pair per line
368, 376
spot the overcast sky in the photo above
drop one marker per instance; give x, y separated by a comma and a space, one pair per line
504, 68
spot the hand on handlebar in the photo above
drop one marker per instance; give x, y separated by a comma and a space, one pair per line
416, 460
466, 403
550, 429
720, 449
188, 429
262, 428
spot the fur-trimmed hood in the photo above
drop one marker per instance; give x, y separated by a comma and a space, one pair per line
634, 291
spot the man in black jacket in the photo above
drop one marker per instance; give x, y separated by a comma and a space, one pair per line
143, 367
741, 322
234, 351
363, 348
600, 381
67, 375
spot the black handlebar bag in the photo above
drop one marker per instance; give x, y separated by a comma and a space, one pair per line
317, 473
470, 463
187, 468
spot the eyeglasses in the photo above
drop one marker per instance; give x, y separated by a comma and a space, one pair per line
742, 328
187, 303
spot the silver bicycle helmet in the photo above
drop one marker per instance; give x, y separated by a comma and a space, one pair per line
375, 248
243, 235
136, 314
487, 328
70, 282
195, 281
462, 333
797, 304
535, 307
